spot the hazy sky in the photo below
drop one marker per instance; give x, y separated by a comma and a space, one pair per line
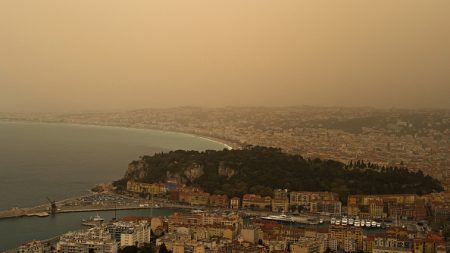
110, 54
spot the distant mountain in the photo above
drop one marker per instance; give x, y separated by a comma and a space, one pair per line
258, 170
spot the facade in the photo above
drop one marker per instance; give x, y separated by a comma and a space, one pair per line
392, 245
252, 234
146, 188
93, 240
256, 201
191, 196
218, 200
306, 246
404, 206
198, 198
304, 199
235, 203
280, 201
137, 235
347, 237
331, 207
31, 247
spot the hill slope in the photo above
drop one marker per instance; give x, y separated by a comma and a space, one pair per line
260, 169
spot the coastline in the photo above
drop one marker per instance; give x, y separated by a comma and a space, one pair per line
216, 140
27, 211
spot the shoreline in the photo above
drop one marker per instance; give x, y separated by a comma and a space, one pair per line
28, 211
216, 140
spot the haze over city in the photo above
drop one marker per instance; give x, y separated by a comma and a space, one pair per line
103, 55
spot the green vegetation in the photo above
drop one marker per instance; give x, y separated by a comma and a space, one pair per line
258, 170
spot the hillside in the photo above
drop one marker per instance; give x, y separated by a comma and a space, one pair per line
260, 169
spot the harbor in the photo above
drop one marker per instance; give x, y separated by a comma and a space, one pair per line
95, 202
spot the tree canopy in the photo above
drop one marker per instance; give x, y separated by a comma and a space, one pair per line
259, 170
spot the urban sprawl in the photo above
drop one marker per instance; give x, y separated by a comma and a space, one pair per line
289, 221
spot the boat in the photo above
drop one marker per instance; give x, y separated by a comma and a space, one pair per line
373, 223
351, 221
92, 221
357, 223
368, 223
363, 223
378, 225
333, 220
320, 221
344, 221
282, 217
338, 222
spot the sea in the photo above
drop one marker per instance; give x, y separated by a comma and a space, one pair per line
57, 161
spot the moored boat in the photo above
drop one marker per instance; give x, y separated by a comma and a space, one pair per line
92, 221
351, 221
333, 220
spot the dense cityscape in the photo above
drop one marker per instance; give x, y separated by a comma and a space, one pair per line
416, 139
283, 220
225, 126
289, 221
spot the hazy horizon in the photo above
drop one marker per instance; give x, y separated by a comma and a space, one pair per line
117, 55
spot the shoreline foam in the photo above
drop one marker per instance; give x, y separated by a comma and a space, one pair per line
204, 137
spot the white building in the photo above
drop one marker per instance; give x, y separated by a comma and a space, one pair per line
92, 240
138, 235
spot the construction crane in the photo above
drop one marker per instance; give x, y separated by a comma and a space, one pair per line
53, 207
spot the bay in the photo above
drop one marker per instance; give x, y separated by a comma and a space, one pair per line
40, 160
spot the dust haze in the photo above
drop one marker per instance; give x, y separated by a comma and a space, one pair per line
107, 54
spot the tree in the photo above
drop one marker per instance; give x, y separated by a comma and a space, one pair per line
129, 249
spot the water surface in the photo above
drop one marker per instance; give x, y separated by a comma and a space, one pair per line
61, 160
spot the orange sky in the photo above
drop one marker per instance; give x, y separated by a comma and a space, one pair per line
109, 54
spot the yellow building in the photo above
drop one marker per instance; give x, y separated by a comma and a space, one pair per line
146, 188
310, 245
345, 234
305, 198
235, 203
280, 205
178, 248
198, 198
256, 201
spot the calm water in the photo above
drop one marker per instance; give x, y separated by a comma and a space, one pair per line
59, 161
15, 231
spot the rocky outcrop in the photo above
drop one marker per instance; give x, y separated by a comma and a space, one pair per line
194, 171
225, 171
136, 170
